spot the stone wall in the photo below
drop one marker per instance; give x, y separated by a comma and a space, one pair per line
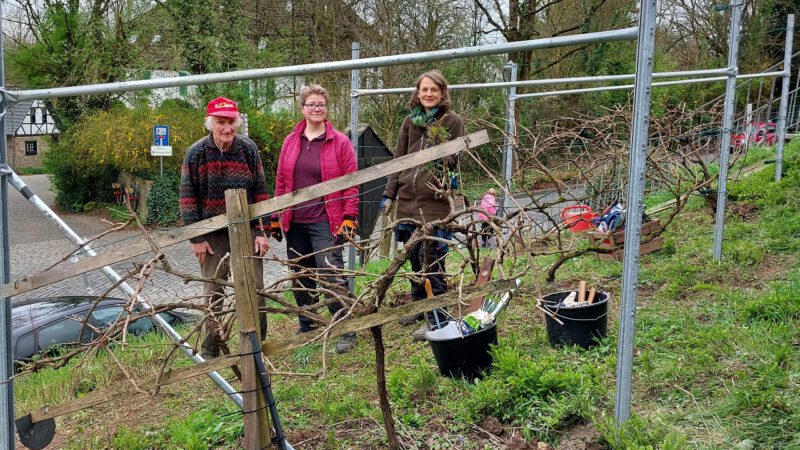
17, 158
141, 190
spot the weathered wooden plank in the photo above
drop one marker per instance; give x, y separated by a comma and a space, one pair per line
256, 419
273, 348
140, 246
483, 277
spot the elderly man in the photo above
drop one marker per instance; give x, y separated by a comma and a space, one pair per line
220, 161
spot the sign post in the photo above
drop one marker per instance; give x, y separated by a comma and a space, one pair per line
161, 147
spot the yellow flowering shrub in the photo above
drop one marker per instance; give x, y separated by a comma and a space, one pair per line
121, 137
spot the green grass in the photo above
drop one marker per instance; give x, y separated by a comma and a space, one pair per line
31, 171
715, 364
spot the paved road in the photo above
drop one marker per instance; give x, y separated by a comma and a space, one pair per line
27, 224
36, 244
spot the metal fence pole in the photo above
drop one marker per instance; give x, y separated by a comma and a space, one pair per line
772, 82
636, 180
793, 107
787, 74
748, 123
510, 137
6, 358
355, 83
727, 120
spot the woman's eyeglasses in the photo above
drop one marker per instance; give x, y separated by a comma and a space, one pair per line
316, 106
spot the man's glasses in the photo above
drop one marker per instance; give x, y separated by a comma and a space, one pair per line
316, 106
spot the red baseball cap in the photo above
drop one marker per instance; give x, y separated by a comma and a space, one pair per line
223, 107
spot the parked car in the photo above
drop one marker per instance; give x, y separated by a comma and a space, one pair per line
40, 324
761, 133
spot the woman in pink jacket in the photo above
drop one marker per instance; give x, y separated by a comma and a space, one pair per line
315, 152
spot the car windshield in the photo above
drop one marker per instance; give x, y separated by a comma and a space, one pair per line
22, 315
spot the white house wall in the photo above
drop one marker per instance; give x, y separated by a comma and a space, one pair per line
42, 123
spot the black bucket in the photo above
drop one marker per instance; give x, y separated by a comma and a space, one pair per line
465, 357
583, 325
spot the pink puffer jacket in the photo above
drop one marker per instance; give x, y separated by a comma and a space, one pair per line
488, 204
336, 159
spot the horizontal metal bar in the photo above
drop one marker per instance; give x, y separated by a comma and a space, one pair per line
760, 75
630, 86
616, 88
624, 34
546, 82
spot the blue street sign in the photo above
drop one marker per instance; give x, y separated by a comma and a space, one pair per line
161, 135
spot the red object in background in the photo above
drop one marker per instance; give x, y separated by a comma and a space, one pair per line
578, 218
761, 133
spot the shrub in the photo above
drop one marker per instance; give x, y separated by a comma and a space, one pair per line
76, 177
121, 137
162, 202
268, 130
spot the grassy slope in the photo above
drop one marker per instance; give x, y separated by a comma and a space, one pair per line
715, 365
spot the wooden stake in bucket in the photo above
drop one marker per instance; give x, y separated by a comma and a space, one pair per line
578, 325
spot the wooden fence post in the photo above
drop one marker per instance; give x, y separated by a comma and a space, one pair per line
256, 416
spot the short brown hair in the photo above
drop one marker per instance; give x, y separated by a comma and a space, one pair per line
312, 89
437, 79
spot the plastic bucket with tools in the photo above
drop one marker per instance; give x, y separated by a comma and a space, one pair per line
467, 356
577, 325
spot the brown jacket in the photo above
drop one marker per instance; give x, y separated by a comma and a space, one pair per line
411, 188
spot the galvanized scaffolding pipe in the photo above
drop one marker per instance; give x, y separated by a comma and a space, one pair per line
623, 87
787, 74
727, 119
625, 34
6, 353
511, 137
637, 161
550, 81
793, 107
355, 83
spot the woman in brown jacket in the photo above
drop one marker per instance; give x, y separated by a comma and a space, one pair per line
421, 192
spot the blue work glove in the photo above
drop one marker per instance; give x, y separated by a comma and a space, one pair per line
386, 205
453, 179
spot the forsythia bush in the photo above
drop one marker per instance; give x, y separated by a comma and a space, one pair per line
91, 154
121, 137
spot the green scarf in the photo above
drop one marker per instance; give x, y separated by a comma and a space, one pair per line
421, 118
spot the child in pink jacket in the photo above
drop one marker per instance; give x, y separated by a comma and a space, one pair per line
488, 204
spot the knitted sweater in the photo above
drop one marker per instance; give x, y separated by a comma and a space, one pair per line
208, 172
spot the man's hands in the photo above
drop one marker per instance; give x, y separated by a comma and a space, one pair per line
275, 228
201, 250
262, 246
347, 230
386, 205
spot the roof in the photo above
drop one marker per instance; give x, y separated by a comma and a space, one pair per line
16, 114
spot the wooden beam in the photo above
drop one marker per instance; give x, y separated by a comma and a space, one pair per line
256, 418
384, 316
139, 246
